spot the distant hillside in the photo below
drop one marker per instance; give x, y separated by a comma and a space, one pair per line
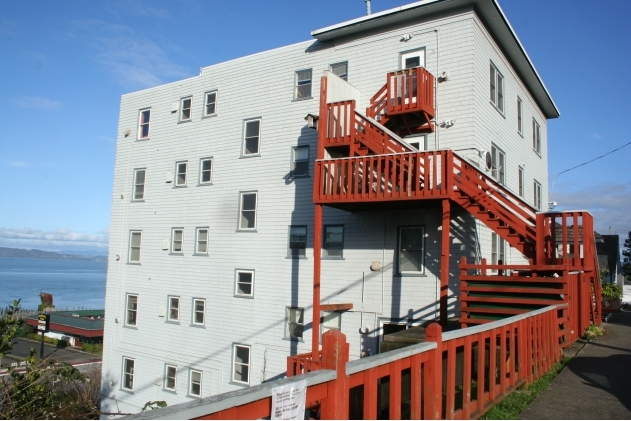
41, 254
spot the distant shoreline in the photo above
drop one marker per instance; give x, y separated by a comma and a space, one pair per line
41, 254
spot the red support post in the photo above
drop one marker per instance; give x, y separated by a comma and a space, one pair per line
444, 262
434, 374
335, 357
317, 260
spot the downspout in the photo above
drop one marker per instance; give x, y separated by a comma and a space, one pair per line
437, 138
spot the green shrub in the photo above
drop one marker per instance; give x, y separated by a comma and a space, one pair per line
611, 291
593, 331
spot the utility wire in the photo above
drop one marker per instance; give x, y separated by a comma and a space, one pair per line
585, 163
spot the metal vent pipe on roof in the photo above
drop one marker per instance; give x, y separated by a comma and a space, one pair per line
367, 6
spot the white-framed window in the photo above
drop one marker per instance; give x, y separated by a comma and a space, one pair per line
128, 373
411, 250
498, 164
177, 240
199, 312
135, 238
201, 244
185, 108
205, 171
247, 212
303, 84
340, 69
536, 136
210, 103
251, 137
144, 116
294, 322
333, 241
180, 173
498, 249
174, 309
412, 58
520, 180
139, 184
131, 318
241, 364
299, 161
297, 244
170, 377
418, 141
195, 387
244, 283
497, 88
331, 320
520, 124
537, 194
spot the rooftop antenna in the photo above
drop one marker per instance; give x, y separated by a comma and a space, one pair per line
367, 6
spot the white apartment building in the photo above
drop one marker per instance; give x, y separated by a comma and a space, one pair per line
211, 260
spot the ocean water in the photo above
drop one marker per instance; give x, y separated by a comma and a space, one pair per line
73, 283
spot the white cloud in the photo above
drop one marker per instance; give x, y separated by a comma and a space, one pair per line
19, 164
36, 238
36, 102
596, 136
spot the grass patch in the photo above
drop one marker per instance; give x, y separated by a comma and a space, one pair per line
593, 331
513, 404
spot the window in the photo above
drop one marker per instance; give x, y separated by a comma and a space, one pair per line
202, 241
195, 388
180, 174
521, 181
498, 249
199, 311
537, 198
139, 184
536, 137
498, 164
185, 108
417, 141
297, 241
414, 58
340, 69
303, 84
299, 161
241, 364
176, 240
251, 137
519, 116
174, 309
247, 219
497, 89
210, 103
128, 373
244, 285
332, 320
205, 170
295, 320
411, 240
143, 124
170, 377
135, 238
132, 310
333, 241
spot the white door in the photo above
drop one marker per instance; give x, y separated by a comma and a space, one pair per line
414, 58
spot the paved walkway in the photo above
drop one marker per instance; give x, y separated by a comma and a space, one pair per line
596, 384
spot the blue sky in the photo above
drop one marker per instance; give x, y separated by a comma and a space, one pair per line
64, 66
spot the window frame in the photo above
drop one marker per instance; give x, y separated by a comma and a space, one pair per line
167, 377
295, 162
131, 247
520, 117
497, 91
422, 138
191, 383
325, 250
498, 172
520, 181
189, 109
340, 63
195, 311
234, 363
290, 250
126, 373
244, 154
170, 308
399, 237
404, 55
498, 249
173, 233
197, 241
142, 123
537, 195
536, 136
136, 184
177, 173
241, 210
288, 330
206, 103
129, 311
201, 171
305, 82
236, 283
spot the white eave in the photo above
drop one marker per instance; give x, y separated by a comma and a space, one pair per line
489, 12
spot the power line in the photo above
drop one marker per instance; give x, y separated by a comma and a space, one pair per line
585, 163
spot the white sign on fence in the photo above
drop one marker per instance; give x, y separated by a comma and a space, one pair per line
288, 401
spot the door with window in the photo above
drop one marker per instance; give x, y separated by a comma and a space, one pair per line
409, 60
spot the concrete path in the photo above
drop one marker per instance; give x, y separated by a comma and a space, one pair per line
596, 384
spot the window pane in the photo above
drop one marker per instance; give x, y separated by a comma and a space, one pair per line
244, 289
249, 202
241, 373
206, 165
340, 69
412, 238
247, 219
412, 62
251, 145
140, 192
252, 128
301, 153
140, 177
411, 250
135, 239
145, 116
242, 355
303, 91
492, 84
